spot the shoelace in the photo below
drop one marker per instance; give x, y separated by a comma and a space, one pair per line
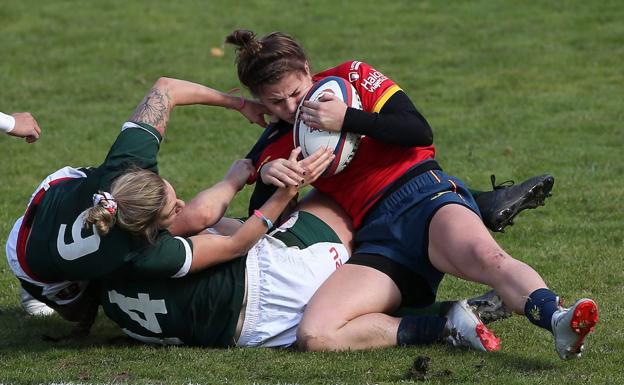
505, 184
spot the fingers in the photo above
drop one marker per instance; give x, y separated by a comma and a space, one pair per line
261, 122
312, 157
283, 178
309, 108
284, 172
291, 173
294, 154
35, 132
310, 120
315, 105
255, 111
317, 165
326, 114
327, 96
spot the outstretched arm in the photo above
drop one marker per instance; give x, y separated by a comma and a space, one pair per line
210, 249
208, 207
168, 93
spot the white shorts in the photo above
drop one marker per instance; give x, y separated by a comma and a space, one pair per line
280, 282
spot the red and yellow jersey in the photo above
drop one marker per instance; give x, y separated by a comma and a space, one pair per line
376, 164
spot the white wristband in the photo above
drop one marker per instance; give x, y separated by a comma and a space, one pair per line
7, 123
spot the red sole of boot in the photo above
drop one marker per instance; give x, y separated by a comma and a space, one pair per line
584, 320
490, 342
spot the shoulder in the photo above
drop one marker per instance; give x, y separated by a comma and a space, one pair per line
342, 70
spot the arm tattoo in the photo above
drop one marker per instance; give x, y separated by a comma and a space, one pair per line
154, 109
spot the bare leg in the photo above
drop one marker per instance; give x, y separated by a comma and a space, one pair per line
475, 256
346, 311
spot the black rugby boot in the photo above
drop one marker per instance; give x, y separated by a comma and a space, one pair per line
499, 206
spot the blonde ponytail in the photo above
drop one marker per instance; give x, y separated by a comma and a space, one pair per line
101, 218
138, 197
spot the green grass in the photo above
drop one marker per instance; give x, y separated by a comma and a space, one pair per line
512, 88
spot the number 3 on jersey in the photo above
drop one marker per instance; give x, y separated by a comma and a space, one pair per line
80, 246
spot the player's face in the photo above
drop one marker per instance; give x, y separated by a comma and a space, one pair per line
282, 98
172, 207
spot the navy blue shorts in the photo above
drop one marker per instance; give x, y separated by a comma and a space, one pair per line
398, 227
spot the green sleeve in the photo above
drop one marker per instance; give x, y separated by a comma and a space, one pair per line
168, 257
138, 145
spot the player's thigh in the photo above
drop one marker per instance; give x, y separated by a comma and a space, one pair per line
351, 291
459, 244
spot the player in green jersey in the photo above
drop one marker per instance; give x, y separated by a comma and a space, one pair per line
258, 300
87, 223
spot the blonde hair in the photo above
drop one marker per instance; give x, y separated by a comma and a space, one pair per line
140, 195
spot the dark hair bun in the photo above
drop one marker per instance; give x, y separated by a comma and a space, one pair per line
246, 42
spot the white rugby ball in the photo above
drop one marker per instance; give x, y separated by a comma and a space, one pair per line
344, 144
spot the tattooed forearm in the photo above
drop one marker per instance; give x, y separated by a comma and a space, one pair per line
154, 109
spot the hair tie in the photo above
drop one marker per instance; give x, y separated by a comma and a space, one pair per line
107, 200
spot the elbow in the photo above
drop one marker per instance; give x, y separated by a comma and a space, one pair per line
420, 138
200, 217
167, 87
204, 219
240, 250
239, 247
425, 133
428, 138
211, 214
417, 130
162, 82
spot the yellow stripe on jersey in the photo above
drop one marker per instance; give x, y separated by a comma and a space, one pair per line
384, 98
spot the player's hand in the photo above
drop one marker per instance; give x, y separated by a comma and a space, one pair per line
255, 111
283, 172
325, 114
316, 164
239, 172
25, 127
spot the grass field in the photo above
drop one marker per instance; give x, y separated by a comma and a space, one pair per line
512, 88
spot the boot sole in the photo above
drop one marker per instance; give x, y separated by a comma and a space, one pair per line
583, 322
535, 197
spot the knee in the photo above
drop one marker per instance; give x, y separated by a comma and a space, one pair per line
314, 338
490, 257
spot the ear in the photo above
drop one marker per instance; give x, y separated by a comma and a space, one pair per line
307, 68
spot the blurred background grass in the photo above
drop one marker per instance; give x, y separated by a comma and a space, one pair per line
512, 88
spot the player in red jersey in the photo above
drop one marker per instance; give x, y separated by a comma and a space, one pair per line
414, 221
398, 127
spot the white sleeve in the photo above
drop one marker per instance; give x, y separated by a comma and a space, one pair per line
7, 123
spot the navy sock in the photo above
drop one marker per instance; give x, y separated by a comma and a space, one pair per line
540, 306
420, 330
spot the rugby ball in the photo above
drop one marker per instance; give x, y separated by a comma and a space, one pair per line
344, 144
